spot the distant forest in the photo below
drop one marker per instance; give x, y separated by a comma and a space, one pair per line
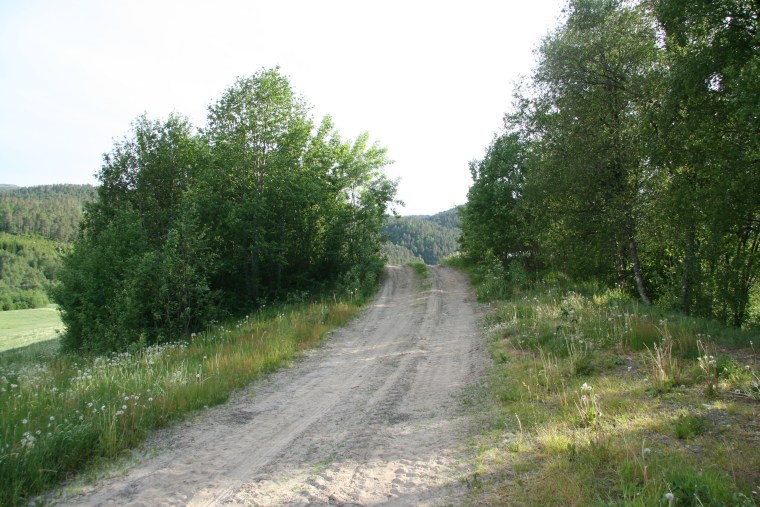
50, 211
36, 226
422, 238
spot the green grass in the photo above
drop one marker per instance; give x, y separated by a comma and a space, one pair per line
61, 414
423, 273
19, 328
594, 399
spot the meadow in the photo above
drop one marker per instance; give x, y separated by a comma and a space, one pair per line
19, 328
62, 414
594, 399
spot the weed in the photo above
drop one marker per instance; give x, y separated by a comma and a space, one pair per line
688, 426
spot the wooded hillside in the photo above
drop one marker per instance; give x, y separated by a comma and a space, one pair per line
422, 238
50, 211
28, 268
36, 223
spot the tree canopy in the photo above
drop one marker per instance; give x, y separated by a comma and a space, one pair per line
189, 224
631, 156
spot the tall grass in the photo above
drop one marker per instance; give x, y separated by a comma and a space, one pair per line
58, 415
616, 403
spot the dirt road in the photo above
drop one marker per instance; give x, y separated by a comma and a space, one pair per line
373, 416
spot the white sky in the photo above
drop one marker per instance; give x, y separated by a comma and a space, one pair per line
430, 80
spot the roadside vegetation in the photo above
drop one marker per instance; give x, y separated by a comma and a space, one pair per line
613, 225
62, 414
596, 399
262, 204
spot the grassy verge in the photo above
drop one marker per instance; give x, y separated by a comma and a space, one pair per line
60, 414
19, 328
596, 400
422, 273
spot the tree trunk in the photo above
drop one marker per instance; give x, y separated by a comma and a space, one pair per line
637, 271
688, 271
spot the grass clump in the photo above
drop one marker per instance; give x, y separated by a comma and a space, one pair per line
597, 400
60, 413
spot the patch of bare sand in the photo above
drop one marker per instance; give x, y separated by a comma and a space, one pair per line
374, 416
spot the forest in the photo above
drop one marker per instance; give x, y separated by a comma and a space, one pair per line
194, 225
631, 157
49, 211
36, 225
422, 238
28, 267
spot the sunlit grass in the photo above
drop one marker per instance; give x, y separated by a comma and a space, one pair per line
58, 413
19, 328
597, 400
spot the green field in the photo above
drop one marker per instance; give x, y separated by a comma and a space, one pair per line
19, 328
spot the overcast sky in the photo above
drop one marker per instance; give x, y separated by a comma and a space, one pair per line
429, 80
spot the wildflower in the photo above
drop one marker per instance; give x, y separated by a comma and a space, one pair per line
52, 418
646, 452
119, 412
14, 386
150, 399
123, 407
27, 441
669, 497
24, 421
81, 418
586, 388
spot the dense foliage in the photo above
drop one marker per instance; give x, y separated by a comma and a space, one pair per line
261, 204
50, 211
633, 156
36, 223
422, 238
28, 267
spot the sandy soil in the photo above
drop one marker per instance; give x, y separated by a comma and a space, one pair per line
373, 416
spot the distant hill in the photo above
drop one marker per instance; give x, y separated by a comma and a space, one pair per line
36, 223
28, 268
425, 238
49, 211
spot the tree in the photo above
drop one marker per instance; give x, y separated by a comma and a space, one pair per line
711, 150
494, 221
258, 132
138, 271
595, 80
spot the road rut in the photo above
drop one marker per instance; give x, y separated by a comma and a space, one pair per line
373, 416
